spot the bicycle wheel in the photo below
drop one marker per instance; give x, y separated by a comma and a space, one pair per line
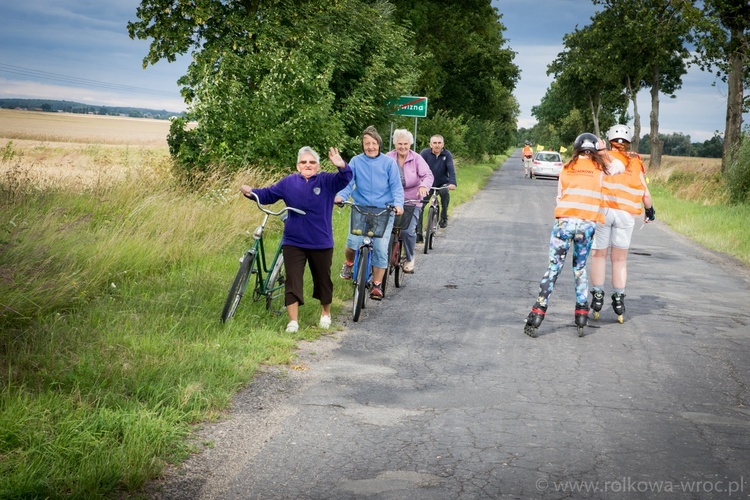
400, 274
435, 227
429, 228
238, 285
392, 261
275, 290
360, 285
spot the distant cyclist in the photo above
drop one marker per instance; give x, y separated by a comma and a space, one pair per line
527, 154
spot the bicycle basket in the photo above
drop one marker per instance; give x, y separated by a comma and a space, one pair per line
405, 217
369, 221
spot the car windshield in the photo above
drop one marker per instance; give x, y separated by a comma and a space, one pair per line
549, 157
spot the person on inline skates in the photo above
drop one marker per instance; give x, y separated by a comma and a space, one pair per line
625, 196
578, 209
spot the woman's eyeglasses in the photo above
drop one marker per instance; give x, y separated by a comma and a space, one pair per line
305, 162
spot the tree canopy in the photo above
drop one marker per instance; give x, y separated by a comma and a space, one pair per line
270, 77
723, 35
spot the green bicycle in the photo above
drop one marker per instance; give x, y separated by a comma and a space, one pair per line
269, 278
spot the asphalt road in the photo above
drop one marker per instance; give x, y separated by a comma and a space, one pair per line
436, 393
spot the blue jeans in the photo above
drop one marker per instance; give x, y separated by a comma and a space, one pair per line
408, 233
379, 245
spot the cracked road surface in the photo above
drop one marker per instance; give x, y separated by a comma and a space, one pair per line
436, 393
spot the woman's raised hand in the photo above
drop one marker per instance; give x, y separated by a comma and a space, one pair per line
335, 157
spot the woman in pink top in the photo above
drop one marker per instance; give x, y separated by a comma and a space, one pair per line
416, 177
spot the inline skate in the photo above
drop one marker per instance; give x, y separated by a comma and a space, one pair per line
618, 304
535, 318
582, 317
597, 302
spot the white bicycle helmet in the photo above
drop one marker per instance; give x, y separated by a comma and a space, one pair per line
586, 142
619, 133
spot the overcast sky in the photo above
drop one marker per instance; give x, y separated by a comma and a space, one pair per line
79, 50
535, 29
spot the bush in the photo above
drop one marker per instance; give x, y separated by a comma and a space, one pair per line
738, 175
451, 128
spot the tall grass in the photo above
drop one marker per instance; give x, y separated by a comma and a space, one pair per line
693, 197
111, 347
716, 226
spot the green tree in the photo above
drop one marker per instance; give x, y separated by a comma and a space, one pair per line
267, 78
677, 145
586, 94
656, 33
560, 121
723, 41
623, 63
465, 68
712, 148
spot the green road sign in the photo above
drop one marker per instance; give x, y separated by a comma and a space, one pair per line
408, 105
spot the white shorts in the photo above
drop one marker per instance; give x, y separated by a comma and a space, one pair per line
616, 231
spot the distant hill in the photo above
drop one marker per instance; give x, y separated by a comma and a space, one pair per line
54, 106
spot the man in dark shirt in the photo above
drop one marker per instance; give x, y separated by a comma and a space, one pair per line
440, 161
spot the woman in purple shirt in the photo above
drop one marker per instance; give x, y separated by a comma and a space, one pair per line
307, 238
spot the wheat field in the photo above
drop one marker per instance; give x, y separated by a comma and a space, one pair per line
78, 128
63, 150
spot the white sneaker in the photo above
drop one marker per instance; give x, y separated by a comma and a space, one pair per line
325, 322
292, 327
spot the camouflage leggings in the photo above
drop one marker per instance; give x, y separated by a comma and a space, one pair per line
566, 231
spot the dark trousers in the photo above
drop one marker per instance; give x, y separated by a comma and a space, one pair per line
295, 259
445, 199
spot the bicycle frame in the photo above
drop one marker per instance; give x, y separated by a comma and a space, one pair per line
262, 286
367, 242
254, 261
396, 251
362, 277
433, 215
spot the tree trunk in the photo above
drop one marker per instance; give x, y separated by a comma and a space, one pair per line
594, 115
656, 142
636, 119
733, 129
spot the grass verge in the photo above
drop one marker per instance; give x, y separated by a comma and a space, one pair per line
691, 196
717, 227
111, 348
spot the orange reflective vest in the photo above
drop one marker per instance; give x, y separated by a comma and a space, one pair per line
625, 191
581, 191
527, 153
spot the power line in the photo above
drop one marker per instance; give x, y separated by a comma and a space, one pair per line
56, 77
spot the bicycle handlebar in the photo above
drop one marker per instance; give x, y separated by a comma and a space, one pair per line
269, 212
412, 203
356, 206
439, 188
